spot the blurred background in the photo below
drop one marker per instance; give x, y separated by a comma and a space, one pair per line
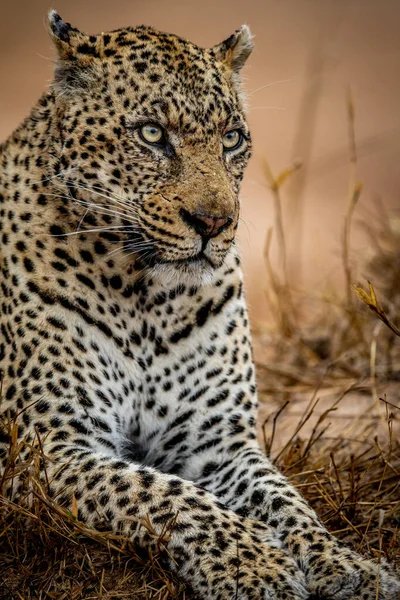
308, 53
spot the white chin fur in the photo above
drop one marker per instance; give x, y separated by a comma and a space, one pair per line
187, 274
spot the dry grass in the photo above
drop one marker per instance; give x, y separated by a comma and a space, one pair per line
329, 380
330, 411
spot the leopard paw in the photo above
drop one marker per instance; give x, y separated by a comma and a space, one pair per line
344, 575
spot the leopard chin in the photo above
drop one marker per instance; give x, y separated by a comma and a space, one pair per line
191, 273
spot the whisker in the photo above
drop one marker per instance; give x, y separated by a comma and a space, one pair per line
109, 198
133, 247
270, 85
86, 203
103, 210
51, 177
247, 227
82, 219
91, 189
95, 191
82, 231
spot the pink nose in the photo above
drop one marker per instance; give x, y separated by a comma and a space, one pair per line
206, 225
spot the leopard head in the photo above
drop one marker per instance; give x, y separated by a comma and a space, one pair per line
150, 137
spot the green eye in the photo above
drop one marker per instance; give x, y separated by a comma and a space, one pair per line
232, 139
151, 133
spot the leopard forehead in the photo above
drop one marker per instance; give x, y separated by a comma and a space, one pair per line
142, 60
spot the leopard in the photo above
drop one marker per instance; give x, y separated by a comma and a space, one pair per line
125, 342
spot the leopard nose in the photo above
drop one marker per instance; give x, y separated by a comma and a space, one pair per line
206, 225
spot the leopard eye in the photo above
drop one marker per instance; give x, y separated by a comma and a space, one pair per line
232, 139
151, 133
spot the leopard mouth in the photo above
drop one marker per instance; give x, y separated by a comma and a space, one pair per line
151, 256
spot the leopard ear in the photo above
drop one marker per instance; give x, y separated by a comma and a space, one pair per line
65, 37
75, 69
235, 50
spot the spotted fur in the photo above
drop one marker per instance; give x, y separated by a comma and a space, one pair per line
125, 342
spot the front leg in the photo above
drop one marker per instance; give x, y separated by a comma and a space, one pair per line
222, 455
251, 485
219, 553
